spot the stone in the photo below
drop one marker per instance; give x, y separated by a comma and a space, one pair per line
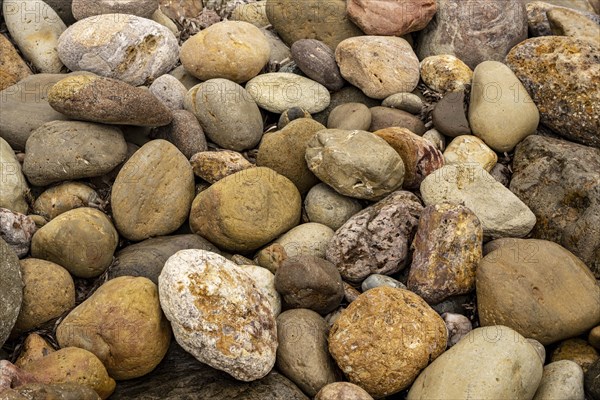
82, 240
458, 327
539, 25
169, 91
278, 91
385, 338
153, 192
213, 166
446, 251
292, 114
474, 32
350, 116
493, 362
58, 391
281, 54
110, 323
549, 282
265, 282
254, 13
378, 65
420, 156
148, 257
435, 137
195, 286
63, 9
591, 380
576, 350
246, 210
86, 8
34, 348
306, 281
233, 50
13, 67
347, 94
309, 239
11, 290
377, 280
17, 230
468, 149
302, 354
449, 116
594, 337
558, 180
502, 214
185, 132
133, 49
342, 391
108, 101
326, 21
560, 74
326, 206
561, 380
337, 157
376, 239
445, 73
64, 197
498, 96
408, 102
385, 117
567, 22
14, 186
161, 18
188, 80
391, 18
317, 61
581, 5
283, 151
48, 292
35, 27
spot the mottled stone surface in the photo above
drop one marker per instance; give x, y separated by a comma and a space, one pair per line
561, 380
445, 73
576, 350
88, 8
185, 132
11, 293
212, 166
391, 18
317, 61
13, 67
17, 230
386, 117
343, 391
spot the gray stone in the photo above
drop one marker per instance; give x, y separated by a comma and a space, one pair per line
169, 90
326, 206
408, 102
317, 61
63, 9
185, 132
11, 290
348, 94
309, 239
449, 116
385, 117
561, 380
350, 116
17, 230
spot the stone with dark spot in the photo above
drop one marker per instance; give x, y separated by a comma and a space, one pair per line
386, 117
449, 116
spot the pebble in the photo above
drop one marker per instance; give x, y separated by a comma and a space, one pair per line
35, 27
338, 158
408, 102
564, 289
435, 137
594, 337
458, 327
445, 73
537, 16
63, 9
376, 280
292, 114
153, 192
13, 67
347, 94
350, 293
254, 13
187, 79
576, 350
265, 282
449, 116
326, 206
279, 91
469, 149
309, 239
17, 230
378, 65
213, 166
317, 61
376, 240
342, 391
306, 281
386, 117
392, 18
195, 287
350, 116
376, 324
302, 353
246, 210
169, 91
561, 380
14, 186
88, 8
133, 49
185, 132
502, 214
11, 290
64, 197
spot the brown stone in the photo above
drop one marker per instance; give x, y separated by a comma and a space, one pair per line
350, 116
449, 116
578, 351
342, 391
213, 166
391, 18
386, 117
185, 132
317, 61
12, 66
34, 348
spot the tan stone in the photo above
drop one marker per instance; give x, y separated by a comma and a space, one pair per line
467, 149
213, 166
342, 391
12, 66
576, 350
594, 337
445, 73
64, 197
34, 348
254, 13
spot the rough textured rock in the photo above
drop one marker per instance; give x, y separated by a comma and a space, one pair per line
86, 8
82, 240
317, 61
153, 191
212, 166
467, 149
110, 323
185, 132
64, 197
126, 47
343, 391
66, 391
14, 186
385, 338
378, 65
474, 32
13, 67
539, 24
290, 115
458, 327
445, 73
11, 290
529, 284
17, 230
561, 380
63, 150
501, 213
559, 181
592, 380
326, 206
449, 116
566, 22
576, 350
561, 76
265, 282
338, 158
391, 18
246, 210
447, 249
195, 287
376, 239
493, 362
386, 117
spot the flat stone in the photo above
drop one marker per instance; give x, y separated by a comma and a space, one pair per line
449, 116
348, 94
64, 197
408, 102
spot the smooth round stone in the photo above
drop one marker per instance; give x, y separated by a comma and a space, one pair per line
88, 8
17, 230
343, 391
11, 290
445, 73
246, 210
493, 362
326, 206
564, 290
233, 50
195, 286
110, 322
435, 137
291, 114
347, 94
467, 149
36, 28
302, 353
254, 13
408, 102
14, 186
377, 280
309, 239
317, 61
449, 116
169, 91
378, 65
213, 166
350, 116
561, 380
48, 292
386, 117
278, 91
339, 159
265, 282
64, 197
498, 96
458, 327
375, 325
306, 281
391, 18
82, 240
13, 67
185, 132
126, 47
153, 192
578, 351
